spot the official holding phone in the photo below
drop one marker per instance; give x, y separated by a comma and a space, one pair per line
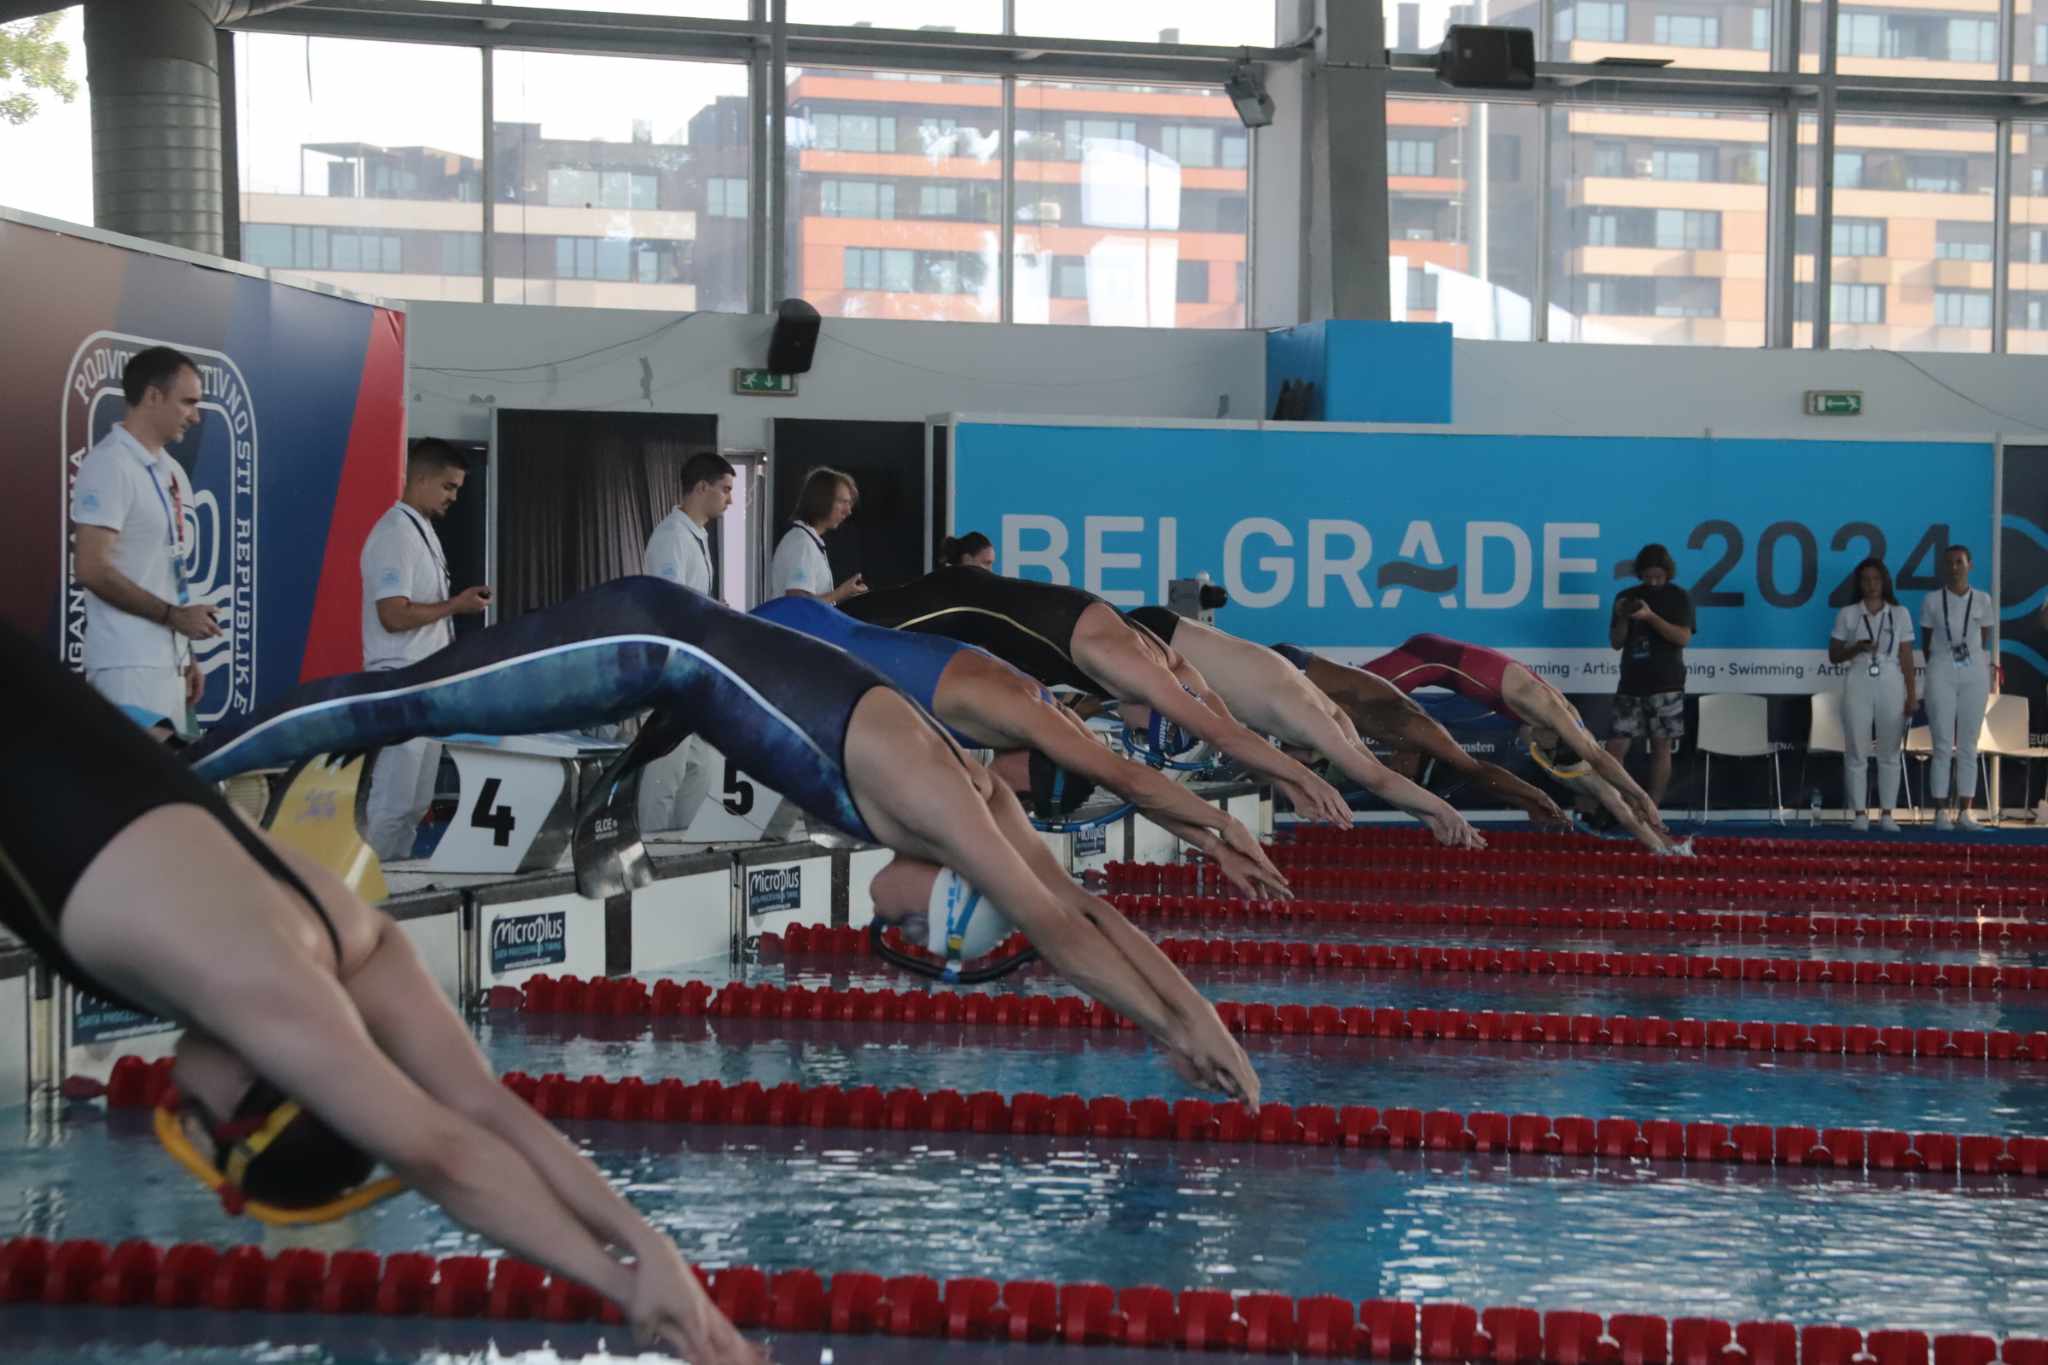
1873, 637
406, 611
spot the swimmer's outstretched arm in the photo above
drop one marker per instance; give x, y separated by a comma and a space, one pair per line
1410, 728
1056, 733
919, 798
1649, 836
1541, 705
216, 951
1122, 666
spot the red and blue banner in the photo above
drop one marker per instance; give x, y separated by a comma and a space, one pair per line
300, 451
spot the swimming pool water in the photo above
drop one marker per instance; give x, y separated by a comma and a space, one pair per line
1938, 1253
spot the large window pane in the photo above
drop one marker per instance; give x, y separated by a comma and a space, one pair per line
1716, 33
1912, 251
384, 196
1219, 23
49, 157
1132, 206
1957, 41
1461, 194
1658, 226
694, 9
621, 182
2027, 321
956, 16
895, 194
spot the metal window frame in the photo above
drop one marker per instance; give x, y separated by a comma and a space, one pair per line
767, 46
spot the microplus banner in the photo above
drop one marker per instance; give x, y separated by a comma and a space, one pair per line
1349, 542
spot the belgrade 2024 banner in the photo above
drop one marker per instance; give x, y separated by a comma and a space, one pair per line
1349, 542
300, 450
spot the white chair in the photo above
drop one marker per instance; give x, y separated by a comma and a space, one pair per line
1738, 727
2006, 735
1918, 748
1825, 733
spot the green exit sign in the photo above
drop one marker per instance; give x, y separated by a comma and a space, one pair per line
1822, 403
764, 383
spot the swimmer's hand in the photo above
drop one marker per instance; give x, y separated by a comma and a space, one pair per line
670, 1308
1453, 829
1545, 813
1210, 1058
1251, 874
1315, 799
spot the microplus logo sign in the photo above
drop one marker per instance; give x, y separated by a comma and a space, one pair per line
519, 941
774, 888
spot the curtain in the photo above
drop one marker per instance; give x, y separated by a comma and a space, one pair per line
579, 493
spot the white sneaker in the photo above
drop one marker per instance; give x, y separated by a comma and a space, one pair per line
1888, 825
1970, 824
1862, 820
1944, 820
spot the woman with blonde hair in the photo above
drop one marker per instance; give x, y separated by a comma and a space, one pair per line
800, 566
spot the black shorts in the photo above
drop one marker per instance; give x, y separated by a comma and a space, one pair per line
78, 773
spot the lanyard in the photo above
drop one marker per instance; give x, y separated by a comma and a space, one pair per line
1949, 626
1890, 627
432, 550
703, 540
174, 522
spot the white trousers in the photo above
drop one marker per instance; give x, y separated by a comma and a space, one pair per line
1872, 705
672, 787
401, 789
1956, 696
159, 690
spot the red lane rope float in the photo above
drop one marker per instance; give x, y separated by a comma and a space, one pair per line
1429, 958
867, 1108
1798, 924
1958, 896
1737, 850
629, 996
857, 1303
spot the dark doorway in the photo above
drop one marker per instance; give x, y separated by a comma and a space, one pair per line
463, 530
885, 540
579, 493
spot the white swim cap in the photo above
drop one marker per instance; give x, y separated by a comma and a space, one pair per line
960, 923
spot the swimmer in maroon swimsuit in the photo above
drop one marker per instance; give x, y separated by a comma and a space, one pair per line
1508, 688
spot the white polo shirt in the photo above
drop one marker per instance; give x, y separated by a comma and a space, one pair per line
141, 495
1967, 615
403, 558
679, 551
800, 563
1887, 630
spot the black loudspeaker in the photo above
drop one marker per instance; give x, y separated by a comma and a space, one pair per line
795, 337
1487, 58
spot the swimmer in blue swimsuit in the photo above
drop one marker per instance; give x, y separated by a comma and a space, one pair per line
316, 1044
1039, 744
802, 717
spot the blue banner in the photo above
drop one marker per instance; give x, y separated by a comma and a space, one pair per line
1349, 542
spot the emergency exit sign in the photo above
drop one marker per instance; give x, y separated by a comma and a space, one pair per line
1824, 403
764, 383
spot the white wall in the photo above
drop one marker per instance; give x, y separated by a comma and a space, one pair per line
863, 369
1664, 390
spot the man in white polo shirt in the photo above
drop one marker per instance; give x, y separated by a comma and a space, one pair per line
672, 787
406, 611
128, 506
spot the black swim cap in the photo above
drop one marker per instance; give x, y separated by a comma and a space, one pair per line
299, 1163
1054, 790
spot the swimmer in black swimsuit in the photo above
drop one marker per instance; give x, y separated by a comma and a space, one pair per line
800, 716
1065, 637
134, 880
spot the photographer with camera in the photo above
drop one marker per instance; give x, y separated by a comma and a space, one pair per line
1651, 626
